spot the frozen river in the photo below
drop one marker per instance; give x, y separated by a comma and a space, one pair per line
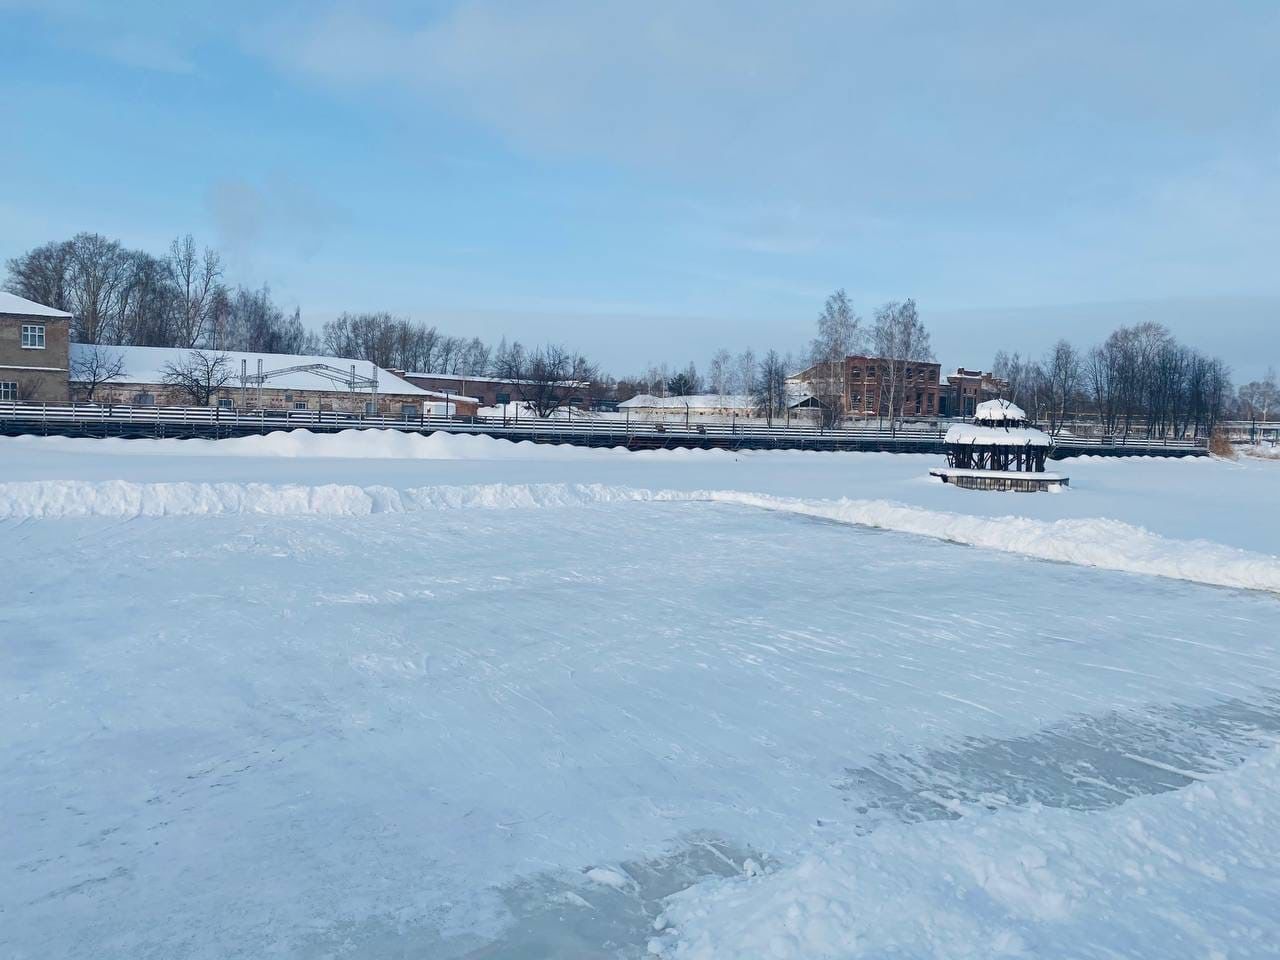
515, 732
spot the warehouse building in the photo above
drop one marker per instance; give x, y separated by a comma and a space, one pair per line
233, 380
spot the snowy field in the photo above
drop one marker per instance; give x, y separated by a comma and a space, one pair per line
378, 695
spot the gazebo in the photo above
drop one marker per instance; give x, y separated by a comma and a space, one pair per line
998, 450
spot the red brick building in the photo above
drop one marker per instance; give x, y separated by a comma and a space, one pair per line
869, 383
965, 389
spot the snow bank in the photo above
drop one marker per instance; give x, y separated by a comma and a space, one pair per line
346, 444
354, 445
1107, 544
1187, 873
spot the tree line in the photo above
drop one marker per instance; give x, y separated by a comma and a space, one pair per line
124, 297
1139, 381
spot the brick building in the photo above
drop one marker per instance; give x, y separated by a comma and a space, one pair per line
34, 350
965, 389
869, 381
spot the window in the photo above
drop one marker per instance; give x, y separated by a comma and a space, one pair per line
504, 399
299, 404
408, 410
144, 399
33, 336
370, 408
8, 390
225, 403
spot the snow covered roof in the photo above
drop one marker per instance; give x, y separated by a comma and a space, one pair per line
696, 401
147, 365
468, 378
11, 303
994, 410
998, 436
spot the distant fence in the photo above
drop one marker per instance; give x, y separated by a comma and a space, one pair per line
93, 420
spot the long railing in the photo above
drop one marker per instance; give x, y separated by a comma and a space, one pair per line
81, 419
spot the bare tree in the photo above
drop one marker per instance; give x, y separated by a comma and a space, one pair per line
900, 340
719, 373
194, 277
41, 275
198, 376
745, 372
838, 336
546, 379
770, 393
94, 366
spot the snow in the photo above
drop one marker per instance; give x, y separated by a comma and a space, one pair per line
1001, 436
147, 365
11, 303
1188, 874
996, 410
380, 695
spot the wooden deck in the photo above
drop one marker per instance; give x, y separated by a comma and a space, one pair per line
1018, 482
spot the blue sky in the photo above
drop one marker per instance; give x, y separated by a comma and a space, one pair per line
652, 181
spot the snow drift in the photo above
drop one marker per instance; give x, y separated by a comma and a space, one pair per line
347, 444
1032, 882
1103, 543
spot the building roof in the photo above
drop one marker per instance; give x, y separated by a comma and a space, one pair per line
466, 377
998, 410
12, 304
696, 401
147, 365
971, 433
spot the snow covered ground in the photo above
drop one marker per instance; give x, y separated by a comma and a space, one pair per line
378, 695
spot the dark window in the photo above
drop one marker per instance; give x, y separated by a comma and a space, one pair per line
504, 398
8, 390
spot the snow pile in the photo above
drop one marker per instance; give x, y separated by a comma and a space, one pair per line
1192, 872
1260, 451
1107, 544
346, 444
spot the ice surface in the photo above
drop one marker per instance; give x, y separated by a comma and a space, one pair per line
526, 713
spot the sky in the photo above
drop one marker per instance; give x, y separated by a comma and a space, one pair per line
651, 182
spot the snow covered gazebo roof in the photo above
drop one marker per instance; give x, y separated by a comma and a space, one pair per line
1000, 423
999, 411
980, 435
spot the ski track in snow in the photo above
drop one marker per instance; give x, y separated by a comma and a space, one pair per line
1102, 543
